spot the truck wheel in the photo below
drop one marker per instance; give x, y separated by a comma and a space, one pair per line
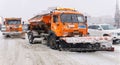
7, 36
48, 39
23, 36
52, 42
116, 41
61, 47
28, 35
31, 38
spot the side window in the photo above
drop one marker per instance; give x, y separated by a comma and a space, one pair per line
55, 18
90, 27
96, 27
93, 27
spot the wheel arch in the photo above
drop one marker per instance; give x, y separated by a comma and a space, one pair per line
105, 34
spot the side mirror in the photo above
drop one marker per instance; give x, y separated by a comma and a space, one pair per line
85, 18
23, 22
4, 23
28, 26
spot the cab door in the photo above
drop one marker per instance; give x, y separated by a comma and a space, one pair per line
55, 24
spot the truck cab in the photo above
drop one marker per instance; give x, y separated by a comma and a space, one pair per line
69, 24
12, 27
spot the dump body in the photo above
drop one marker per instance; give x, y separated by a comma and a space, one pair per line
66, 28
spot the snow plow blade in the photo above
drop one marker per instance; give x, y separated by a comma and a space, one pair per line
87, 49
86, 43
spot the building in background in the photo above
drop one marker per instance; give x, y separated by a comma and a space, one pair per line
117, 15
1, 21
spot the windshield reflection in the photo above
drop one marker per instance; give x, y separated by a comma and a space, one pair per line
12, 22
108, 27
72, 18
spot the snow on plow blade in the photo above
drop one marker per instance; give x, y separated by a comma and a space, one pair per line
90, 43
87, 39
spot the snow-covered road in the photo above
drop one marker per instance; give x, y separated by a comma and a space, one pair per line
16, 51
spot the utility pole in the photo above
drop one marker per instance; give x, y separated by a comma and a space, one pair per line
117, 15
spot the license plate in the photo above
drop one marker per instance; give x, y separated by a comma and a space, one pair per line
83, 26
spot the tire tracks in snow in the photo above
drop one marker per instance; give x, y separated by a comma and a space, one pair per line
20, 52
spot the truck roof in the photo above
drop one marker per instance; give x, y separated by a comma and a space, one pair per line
56, 10
12, 18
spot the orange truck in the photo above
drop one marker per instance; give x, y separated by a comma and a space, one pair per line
65, 29
13, 27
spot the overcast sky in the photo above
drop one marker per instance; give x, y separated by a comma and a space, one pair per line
29, 8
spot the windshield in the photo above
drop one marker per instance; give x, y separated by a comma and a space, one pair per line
11, 22
72, 18
108, 27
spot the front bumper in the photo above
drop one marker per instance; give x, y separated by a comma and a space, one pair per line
13, 33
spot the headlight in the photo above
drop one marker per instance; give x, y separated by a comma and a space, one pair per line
66, 27
113, 34
3, 28
65, 33
69, 26
20, 26
8, 26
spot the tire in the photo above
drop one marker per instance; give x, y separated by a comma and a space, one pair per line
114, 42
28, 33
117, 41
61, 47
7, 36
31, 38
23, 36
48, 39
52, 41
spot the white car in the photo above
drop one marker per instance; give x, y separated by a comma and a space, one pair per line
105, 30
3, 28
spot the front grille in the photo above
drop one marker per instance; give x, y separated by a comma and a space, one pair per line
13, 29
74, 33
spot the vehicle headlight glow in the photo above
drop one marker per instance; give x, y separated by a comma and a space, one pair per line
7, 26
20, 26
65, 33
